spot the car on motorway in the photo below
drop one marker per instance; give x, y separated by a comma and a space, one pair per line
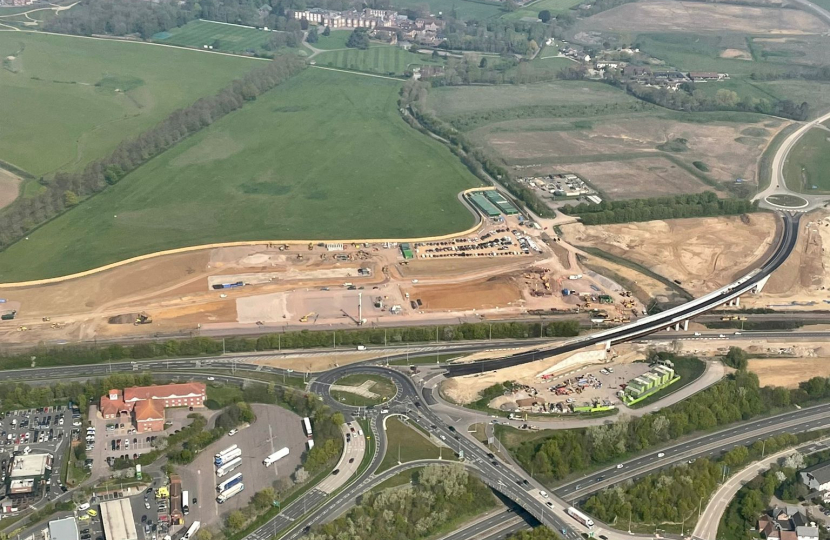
620, 465
211, 378
335, 472
600, 478
550, 504
351, 460
544, 494
661, 454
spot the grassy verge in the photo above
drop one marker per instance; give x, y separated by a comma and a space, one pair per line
689, 370
383, 387
401, 479
765, 163
289, 381
404, 441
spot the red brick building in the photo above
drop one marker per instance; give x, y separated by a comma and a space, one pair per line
146, 404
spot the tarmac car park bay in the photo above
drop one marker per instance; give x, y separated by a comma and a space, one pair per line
43, 430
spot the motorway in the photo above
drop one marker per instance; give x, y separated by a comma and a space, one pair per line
653, 323
810, 418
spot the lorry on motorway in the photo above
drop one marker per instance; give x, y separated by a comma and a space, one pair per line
229, 483
227, 458
228, 467
307, 426
276, 456
191, 532
580, 517
235, 490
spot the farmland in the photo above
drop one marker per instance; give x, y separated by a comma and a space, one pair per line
584, 128
670, 16
68, 100
386, 60
222, 37
352, 168
696, 52
467, 107
465, 9
808, 163
532, 10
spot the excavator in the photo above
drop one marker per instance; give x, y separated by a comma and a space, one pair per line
304, 318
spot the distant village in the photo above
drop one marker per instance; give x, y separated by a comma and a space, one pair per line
611, 63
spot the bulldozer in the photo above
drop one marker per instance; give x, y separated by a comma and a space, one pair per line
143, 318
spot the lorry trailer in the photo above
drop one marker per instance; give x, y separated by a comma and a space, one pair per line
235, 490
229, 483
227, 458
225, 469
276, 456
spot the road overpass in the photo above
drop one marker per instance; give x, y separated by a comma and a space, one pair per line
672, 318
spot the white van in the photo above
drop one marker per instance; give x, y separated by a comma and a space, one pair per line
83, 507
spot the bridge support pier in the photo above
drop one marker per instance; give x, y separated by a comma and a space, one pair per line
608, 346
760, 285
686, 325
677, 327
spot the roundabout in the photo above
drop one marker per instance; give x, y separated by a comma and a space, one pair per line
787, 200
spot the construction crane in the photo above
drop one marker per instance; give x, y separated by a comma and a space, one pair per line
304, 318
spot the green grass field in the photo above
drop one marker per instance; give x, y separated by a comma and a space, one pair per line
807, 169
224, 37
336, 40
53, 114
532, 10
464, 9
695, 52
410, 444
386, 60
324, 155
383, 387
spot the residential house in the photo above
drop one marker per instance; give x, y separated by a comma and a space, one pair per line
817, 477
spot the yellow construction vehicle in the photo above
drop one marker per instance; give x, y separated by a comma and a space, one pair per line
304, 318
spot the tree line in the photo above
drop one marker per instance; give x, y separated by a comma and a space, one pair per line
65, 188
537, 533
735, 398
680, 206
440, 495
689, 99
674, 495
82, 354
413, 95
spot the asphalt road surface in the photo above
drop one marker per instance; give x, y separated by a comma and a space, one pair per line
649, 324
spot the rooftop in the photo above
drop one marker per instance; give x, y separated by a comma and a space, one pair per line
119, 523
63, 529
820, 471
164, 391
30, 465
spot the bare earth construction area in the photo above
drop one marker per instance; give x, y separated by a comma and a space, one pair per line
702, 253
